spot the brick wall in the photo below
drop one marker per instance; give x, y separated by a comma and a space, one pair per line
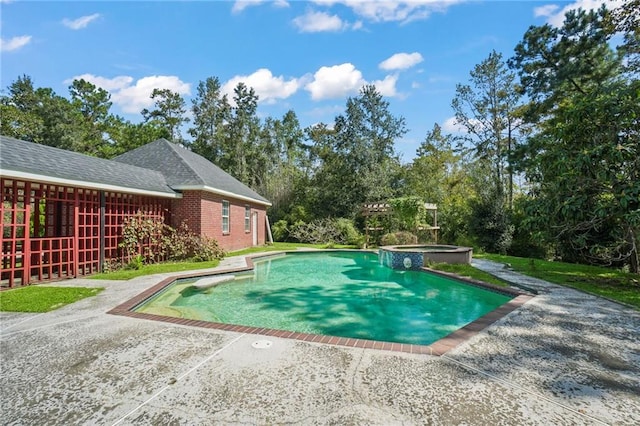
203, 213
187, 209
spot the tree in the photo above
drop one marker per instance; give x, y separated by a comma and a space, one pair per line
287, 169
39, 115
583, 160
169, 112
19, 116
626, 20
439, 175
356, 160
487, 109
238, 149
211, 115
126, 136
93, 105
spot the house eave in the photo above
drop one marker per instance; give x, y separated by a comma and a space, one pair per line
14, 174
220, 192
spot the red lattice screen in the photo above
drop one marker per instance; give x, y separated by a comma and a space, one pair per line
52, 232
118, 207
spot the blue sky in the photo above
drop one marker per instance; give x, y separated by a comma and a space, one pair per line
307, 56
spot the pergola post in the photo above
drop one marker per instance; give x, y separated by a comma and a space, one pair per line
76, 233
26, 250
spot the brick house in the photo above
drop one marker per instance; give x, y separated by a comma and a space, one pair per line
62, 211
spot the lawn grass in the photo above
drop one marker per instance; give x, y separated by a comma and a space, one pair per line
606, 282
156, 268
43, 299
468, 271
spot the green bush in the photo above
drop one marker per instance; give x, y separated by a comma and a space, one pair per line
490, 224
149, 240
280, 230
398, 238
324, 231
389, 239
182, 244
405, 238
134, 264
348, 232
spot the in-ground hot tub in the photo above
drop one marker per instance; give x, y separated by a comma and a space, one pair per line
415, 256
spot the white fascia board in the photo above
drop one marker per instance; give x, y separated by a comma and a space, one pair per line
220, 192
82, 184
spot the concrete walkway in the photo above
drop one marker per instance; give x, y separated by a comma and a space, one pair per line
564, 358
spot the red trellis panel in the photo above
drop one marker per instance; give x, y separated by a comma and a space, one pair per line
15, 232
118, 207
52, 232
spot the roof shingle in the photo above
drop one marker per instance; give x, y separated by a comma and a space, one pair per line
45, 161
185, 169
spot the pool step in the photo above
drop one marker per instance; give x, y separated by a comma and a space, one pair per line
209, 282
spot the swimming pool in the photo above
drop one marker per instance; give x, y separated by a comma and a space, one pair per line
345, 294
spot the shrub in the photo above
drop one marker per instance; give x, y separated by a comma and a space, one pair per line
348, 232
134, 264
148, 240
405, 238
398, 238
183, 244
490, 224
143, 236
389, 239
280, 230
323, 231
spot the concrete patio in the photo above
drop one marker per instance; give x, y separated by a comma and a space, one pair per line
564, 358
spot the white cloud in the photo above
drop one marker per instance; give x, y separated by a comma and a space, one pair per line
81, 22
555, 15
241, 5
335, 82
387, 87
401, 61
313, 22
343, 80
388, 10
14, 43
451, 125
133, 97
266, 85
108, 84
546, 10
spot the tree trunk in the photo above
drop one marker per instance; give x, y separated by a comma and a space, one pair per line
634, 260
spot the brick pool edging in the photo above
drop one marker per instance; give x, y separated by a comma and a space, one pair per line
437, 348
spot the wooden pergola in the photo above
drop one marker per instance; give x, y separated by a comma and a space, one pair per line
383, 209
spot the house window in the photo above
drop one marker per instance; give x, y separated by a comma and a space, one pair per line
225, 217
247, 219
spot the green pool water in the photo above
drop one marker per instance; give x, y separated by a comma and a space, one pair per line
346, 294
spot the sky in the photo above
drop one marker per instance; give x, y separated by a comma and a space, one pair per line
308, 56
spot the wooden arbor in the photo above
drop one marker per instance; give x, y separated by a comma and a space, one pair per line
382, 210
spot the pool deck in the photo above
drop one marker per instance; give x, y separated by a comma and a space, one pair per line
564, 357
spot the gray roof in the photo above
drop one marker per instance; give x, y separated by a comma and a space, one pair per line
183, 168
45, 161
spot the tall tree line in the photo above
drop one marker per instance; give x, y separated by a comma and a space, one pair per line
547, 164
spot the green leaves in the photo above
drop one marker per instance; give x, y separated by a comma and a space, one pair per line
584, 155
